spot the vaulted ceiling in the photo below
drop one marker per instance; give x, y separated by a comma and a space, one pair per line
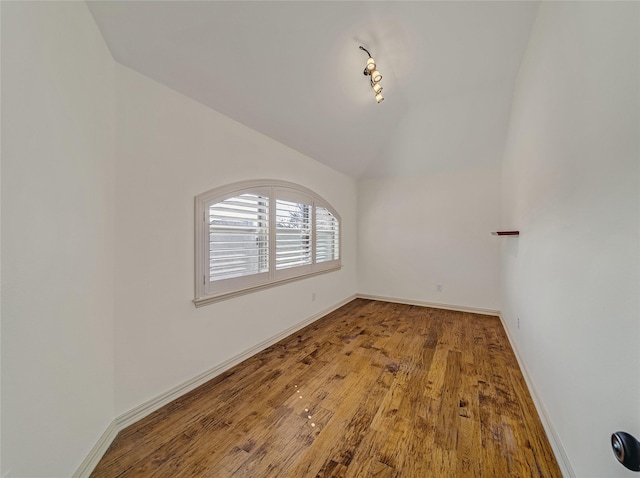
292, 70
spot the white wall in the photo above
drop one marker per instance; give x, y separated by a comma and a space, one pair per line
171, 148
0, 258
80, 247
571, 185
417, 232
57, 237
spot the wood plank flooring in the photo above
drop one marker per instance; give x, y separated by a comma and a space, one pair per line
373, 389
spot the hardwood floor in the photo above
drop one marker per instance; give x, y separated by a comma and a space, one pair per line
373, 389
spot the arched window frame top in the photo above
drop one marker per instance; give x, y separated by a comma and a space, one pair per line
302, 232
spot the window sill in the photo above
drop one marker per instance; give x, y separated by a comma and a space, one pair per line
210, 299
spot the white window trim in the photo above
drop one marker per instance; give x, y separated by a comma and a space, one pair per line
276, 190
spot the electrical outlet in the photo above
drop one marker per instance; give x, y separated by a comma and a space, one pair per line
439, 288
313, 297
518, 322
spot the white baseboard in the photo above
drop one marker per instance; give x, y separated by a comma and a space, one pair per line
150, 406
435, 305
547, 424
154, 404
94, 456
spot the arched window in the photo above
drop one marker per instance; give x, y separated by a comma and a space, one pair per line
256, 234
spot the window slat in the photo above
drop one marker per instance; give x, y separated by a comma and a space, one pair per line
327, 236
238, 237
293, 234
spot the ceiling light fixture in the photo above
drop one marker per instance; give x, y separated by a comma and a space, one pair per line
374, 75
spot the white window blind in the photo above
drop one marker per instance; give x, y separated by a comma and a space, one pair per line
256, 234
238, 237
293, 234
327, 235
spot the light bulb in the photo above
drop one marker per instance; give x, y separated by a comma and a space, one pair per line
376, 76
379, 98
371, 64
377, 88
